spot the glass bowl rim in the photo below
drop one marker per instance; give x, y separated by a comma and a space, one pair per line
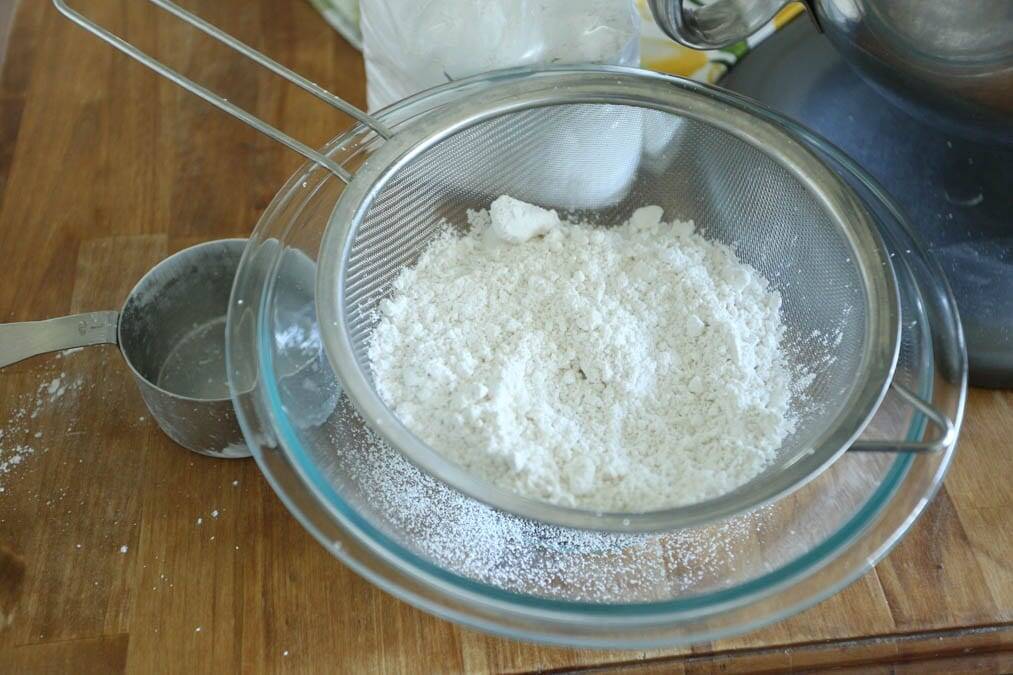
864, 518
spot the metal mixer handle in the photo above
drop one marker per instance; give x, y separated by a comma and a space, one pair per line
716, 24
223, 103
19, 341
946, 436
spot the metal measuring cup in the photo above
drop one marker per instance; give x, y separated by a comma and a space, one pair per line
171, 333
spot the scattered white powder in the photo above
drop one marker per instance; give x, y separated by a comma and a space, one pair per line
13, 456
18, 440
54, 386
467, 538
624, 369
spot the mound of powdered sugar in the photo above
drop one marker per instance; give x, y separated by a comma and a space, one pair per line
626, 369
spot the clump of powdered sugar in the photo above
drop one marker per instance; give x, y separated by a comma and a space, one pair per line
625, 369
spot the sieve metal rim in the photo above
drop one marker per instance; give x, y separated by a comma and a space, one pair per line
521, 89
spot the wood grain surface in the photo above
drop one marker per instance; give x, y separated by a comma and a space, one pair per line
142, 557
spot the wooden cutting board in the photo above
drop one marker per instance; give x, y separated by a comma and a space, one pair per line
143, 557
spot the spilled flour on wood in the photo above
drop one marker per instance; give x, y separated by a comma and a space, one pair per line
19, 440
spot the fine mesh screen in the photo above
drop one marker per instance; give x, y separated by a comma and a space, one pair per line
599, 162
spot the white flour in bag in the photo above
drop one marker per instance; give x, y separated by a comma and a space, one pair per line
623, 369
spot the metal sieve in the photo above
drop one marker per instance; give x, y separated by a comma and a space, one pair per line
597, 143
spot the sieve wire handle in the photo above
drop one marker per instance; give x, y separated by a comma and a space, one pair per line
219, 101
947, 431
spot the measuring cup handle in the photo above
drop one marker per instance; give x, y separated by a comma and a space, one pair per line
19, 341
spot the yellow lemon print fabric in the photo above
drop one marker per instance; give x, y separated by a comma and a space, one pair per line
659, 52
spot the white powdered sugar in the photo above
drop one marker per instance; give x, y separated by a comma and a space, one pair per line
468, 538
628, 368
18, 438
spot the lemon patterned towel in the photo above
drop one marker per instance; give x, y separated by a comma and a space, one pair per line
657, 51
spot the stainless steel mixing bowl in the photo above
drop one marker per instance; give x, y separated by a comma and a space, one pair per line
947, 60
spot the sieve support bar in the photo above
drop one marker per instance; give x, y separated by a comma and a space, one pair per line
946, 436
221, 102
272, 65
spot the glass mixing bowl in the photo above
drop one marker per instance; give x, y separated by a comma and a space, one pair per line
455, 557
